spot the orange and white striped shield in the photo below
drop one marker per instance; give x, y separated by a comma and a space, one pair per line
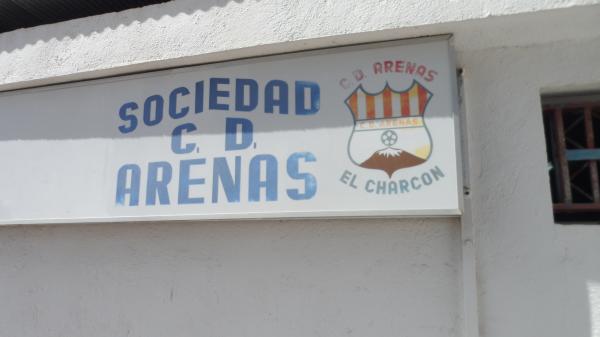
389, 128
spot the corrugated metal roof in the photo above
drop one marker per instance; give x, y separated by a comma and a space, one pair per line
16, 14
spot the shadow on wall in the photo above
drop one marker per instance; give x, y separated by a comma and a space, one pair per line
87, 26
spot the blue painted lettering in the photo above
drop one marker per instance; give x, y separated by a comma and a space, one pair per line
185, 181
222, 173
281, 101
245, 102
216, 93
158, 186
153, 110
313, 98
173, 112
270, 181
131, 118
131, 187
199, 99
176, 145
310, 182
235, 127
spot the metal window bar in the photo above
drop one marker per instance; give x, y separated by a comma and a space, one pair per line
562, 164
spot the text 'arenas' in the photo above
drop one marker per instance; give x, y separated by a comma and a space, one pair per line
236, 176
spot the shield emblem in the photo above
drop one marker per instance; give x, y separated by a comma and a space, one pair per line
389, 129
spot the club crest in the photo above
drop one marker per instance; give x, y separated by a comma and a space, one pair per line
389, 129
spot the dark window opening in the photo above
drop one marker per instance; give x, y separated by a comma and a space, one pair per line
572, 128
15, 14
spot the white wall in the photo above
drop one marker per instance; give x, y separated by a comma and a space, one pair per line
190, 31
292, 278
323, 278
533, 275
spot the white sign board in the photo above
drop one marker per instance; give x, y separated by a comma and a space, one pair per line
358, 131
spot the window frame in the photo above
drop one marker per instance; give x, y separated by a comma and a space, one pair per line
554, 108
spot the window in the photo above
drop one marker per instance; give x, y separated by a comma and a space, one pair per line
572, 128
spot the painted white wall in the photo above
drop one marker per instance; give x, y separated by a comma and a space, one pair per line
335, 277
190, 31
292, 278
533, 275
